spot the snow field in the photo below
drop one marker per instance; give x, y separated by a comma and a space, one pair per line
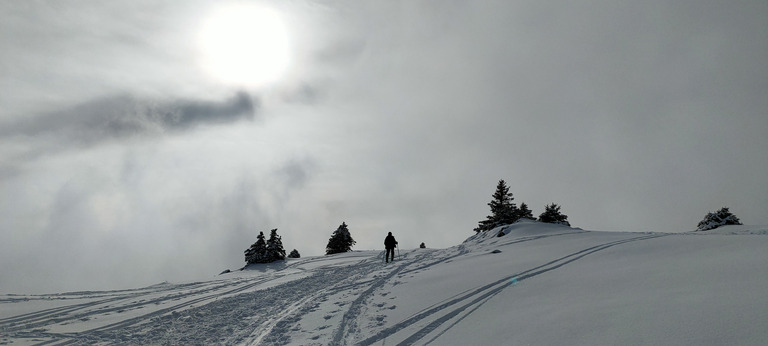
538, 284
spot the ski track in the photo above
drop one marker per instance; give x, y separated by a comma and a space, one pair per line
348, 326
270, 316
33, 325
263, 316
471, 300
65, 316
47, 314
463, 251
309, 292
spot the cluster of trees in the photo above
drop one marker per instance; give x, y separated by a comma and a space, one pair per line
270, 250
266, 251
504, 211
719, 218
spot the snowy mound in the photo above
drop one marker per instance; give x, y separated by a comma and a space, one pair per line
521, 228
737, 229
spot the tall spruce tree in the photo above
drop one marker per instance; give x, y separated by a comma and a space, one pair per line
275, 250
257, 253
340, 241
552, 214
503, 211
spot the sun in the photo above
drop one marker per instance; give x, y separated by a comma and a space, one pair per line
244, 45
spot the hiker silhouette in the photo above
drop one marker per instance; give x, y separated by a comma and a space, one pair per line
389, 244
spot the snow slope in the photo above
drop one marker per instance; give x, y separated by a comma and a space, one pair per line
540, 284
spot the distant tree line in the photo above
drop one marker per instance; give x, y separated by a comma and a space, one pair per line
504, 211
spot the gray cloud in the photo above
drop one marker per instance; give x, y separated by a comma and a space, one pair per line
116, 118
123, 116
189, 114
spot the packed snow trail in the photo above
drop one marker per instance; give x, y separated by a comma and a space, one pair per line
229, 311
348, 325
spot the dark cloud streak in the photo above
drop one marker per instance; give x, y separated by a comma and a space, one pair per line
121, 116
117, 118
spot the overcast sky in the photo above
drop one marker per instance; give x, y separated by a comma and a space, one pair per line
124, 161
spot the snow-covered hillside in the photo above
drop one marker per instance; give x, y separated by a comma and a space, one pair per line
539, 284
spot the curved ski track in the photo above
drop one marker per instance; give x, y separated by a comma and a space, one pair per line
460, 306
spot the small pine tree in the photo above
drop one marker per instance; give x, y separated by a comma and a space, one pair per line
275, 250
340, 241
552, 214
524, 212
719, 218
258, 251
294, 254
503, 211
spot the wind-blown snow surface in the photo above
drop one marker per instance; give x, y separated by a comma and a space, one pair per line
546, 285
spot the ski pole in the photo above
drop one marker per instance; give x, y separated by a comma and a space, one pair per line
398, 251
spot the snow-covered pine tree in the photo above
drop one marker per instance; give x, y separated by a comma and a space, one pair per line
340, 241
294, 254
552, 214
503, 211
249, 254
524, 212
258, 250
275, 250
719, 218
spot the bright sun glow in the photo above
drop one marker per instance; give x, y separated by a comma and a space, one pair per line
245, 45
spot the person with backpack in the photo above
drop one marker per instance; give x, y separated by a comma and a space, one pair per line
389, 244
